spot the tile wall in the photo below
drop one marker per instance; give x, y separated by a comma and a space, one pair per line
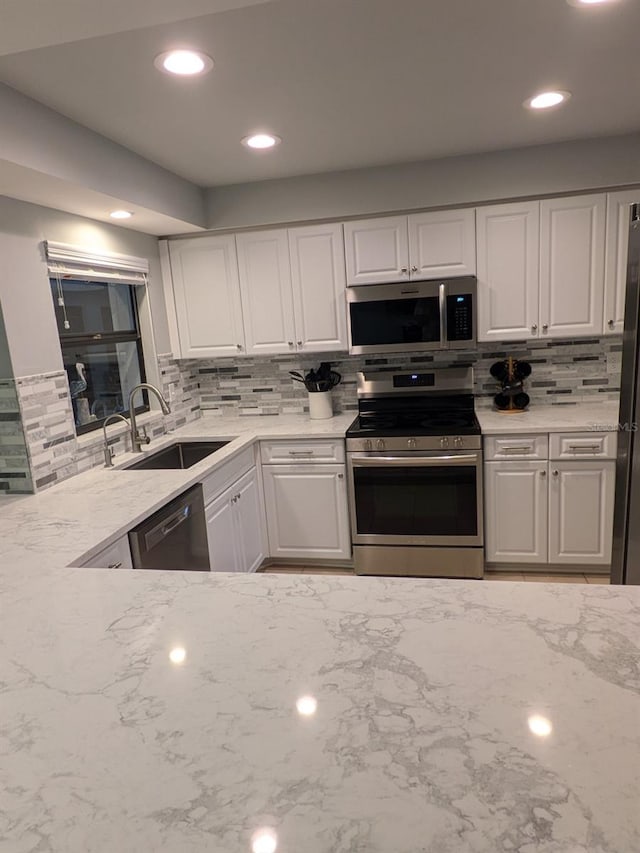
15, 476
56, 453
563, 372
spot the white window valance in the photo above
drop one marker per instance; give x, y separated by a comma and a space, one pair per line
75, 262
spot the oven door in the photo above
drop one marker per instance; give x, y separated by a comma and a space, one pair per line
410, 498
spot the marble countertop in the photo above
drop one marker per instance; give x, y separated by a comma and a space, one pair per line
76, 519
451, 717
578, 417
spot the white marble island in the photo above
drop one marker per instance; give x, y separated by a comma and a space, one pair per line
420, 742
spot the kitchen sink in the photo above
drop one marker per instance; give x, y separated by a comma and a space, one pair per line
182, 454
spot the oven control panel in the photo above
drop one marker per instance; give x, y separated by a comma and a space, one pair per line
450, 443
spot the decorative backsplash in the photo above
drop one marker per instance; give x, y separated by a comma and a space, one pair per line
55, 451
15, 476
563, 372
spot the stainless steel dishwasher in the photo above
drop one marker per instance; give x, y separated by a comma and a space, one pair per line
174, 537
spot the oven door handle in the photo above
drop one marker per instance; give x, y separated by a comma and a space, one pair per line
414, 462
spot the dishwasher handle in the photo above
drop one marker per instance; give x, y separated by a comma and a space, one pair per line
166, 526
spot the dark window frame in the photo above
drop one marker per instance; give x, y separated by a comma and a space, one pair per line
71, 340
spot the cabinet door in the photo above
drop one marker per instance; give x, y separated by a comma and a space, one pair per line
377, 250
265, 284
250, 523
572, 232
581, 502
224, 555
516, 515
442, 243
615, 283
207, 296
115, 556
508, 237
319, 286
307, 514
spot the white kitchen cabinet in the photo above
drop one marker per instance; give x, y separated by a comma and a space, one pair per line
265, 285
206, 294
318, 280
581, 503
377, 250
235, 527
307, 513
508, 243
114, 556
572, 238
427, 245
442, 243
516, 512
615, 282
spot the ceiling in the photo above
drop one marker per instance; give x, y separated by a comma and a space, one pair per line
345, 83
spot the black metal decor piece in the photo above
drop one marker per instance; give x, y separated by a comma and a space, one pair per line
511, 374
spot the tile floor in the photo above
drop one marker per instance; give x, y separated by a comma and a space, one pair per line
532, 577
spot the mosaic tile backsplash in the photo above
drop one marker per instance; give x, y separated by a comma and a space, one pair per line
55, 451
562, 372
15, 476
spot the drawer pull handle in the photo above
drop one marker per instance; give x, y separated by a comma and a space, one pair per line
585, 448
115, 565
523, 448
301, 453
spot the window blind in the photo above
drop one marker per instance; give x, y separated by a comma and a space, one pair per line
66, 261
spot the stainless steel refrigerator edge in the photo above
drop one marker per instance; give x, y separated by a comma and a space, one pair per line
625, 558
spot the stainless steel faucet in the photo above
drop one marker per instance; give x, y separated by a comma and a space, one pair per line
109, 451
138, 438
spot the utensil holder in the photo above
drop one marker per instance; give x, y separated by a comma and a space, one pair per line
320, 406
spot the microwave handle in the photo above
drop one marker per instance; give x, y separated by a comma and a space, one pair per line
442, 300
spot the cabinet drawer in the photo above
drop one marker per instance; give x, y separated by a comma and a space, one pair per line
286, 452
227, 473
583, 445
501, 447
115, 556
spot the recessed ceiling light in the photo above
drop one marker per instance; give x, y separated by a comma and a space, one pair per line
185, 63
261, 141
580, 3
546, 100
121, 214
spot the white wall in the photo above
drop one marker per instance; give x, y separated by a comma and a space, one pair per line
45, 141
25, 293
501, 175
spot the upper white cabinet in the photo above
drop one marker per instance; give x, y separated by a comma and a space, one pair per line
572, 235
442, 243
508, 238
377, 250
318, 279
265, 285
615, 282
419, 246
206, 292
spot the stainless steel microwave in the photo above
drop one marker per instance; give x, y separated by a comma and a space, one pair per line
412, 316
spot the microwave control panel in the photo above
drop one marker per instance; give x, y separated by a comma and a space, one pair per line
460, 317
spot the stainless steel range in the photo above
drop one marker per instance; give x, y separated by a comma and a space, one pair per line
414, 458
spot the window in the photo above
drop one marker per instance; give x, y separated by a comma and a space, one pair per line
101, 347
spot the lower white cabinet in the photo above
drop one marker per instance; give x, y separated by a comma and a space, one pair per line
235, 527
558, 512
307, 512
115, 556
516, 512
581, 503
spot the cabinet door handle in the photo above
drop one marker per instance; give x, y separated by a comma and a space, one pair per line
555, 472
239, 346
299, 343
404, 270
534, 328
414, 269
341, 476
290, 343
115, 565
545, 327
543, 473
